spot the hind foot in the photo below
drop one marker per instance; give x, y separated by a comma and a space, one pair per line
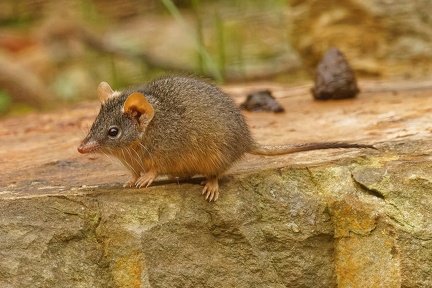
211, 190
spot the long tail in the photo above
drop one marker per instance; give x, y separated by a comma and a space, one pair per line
293, 148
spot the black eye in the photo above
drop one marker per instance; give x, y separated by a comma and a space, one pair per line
113, 132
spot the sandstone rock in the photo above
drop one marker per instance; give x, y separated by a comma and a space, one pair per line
336, 218
379, 37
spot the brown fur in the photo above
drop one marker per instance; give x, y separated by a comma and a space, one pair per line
180, 127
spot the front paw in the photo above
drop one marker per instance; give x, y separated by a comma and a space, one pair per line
146, 180
130, 183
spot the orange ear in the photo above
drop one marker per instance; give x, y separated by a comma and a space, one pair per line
137, 107
104, 92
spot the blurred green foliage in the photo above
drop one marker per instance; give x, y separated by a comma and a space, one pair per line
71, 46
5, 102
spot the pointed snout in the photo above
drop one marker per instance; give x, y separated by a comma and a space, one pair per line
82, 149
87, 147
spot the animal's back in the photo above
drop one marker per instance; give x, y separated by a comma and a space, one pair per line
196, 129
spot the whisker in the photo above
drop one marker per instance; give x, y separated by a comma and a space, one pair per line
110, 150
126, 163
129, 153
85, 129
148, 152
83, 133
132, 159
108, 156
139, 160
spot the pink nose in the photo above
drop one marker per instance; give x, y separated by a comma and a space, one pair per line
87, 147
81, 149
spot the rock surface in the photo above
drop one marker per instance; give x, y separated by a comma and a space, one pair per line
378, 37
335, 218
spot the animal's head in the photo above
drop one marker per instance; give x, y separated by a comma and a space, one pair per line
122, 120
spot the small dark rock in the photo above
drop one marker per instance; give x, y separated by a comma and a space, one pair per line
262, 100
334, 78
